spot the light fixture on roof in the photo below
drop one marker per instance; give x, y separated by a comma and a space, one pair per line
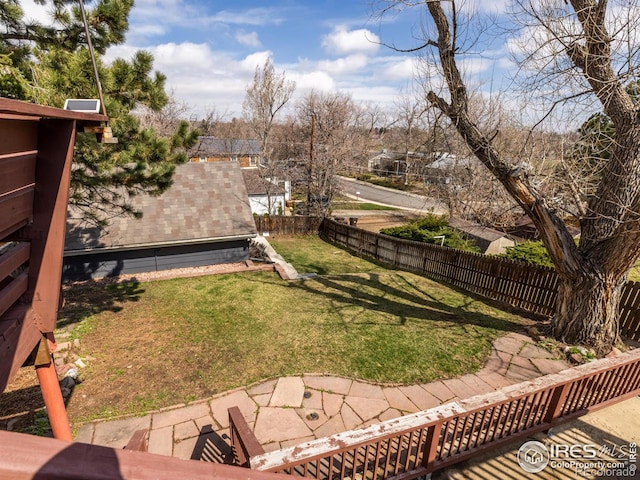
82, 105
104, 134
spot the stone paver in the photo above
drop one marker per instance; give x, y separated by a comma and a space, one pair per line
161, 441
498, 362
367, 408
389, 414
185, 430
328, 384
240, 399
533, 351
495, 379
205, 422
548, 365
314, 401
508, 344
277, 411
262, 388
184, 448
440, 391
476, 384
279, 424
399, 400
179, 415
420, 397
334, 425
350, 418
332, 403
520, 373
311, 421
85, 434
289, 392
367, 390
117, 433
460, 388
263, 399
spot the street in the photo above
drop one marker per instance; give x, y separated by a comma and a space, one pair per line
386, 196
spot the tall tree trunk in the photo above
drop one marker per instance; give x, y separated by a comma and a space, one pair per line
587, 312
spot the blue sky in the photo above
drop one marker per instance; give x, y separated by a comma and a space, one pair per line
209, 49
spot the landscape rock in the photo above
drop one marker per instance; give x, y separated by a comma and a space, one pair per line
67, 383
576, 358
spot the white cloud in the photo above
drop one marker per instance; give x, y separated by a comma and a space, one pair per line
36, 13
343, 42
249, 39
342, 66
400, 69
254, 60
158, 17
315, 80
200, 76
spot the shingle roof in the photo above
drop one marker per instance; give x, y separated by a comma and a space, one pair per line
476, 230
215, 147
206, 201
256, 185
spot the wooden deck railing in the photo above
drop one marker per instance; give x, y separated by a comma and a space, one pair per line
243, 441
414, 445
530, 288
27, 457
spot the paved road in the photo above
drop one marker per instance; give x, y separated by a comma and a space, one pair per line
387, 196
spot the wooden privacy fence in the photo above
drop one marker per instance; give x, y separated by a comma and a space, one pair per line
530, 288
414, 445
294, 225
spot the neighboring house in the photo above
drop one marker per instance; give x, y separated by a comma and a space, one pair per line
203, 219
445, 167
524, 228
398, 163
384, 162
490, 241
264, 192
210, 149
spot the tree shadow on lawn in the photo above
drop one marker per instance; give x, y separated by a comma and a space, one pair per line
82, 301
370, 292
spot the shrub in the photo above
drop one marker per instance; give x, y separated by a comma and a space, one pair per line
425, 229
529, 252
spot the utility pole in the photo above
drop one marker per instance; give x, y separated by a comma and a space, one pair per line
310, 166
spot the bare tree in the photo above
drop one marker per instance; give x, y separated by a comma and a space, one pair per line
580, 42
332, 124
265, 97
165, 120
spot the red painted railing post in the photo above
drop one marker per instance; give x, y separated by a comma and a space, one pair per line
431, 447
556, 403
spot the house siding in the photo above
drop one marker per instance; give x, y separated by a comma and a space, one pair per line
100, 264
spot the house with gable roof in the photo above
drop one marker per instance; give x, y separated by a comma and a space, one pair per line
204, 218
266, 195
211, 149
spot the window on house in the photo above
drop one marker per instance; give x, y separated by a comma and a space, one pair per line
253, 161
202, 159
233, 158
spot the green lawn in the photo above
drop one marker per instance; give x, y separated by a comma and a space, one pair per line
160, 343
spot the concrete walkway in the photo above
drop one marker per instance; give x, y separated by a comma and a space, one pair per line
289, 410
